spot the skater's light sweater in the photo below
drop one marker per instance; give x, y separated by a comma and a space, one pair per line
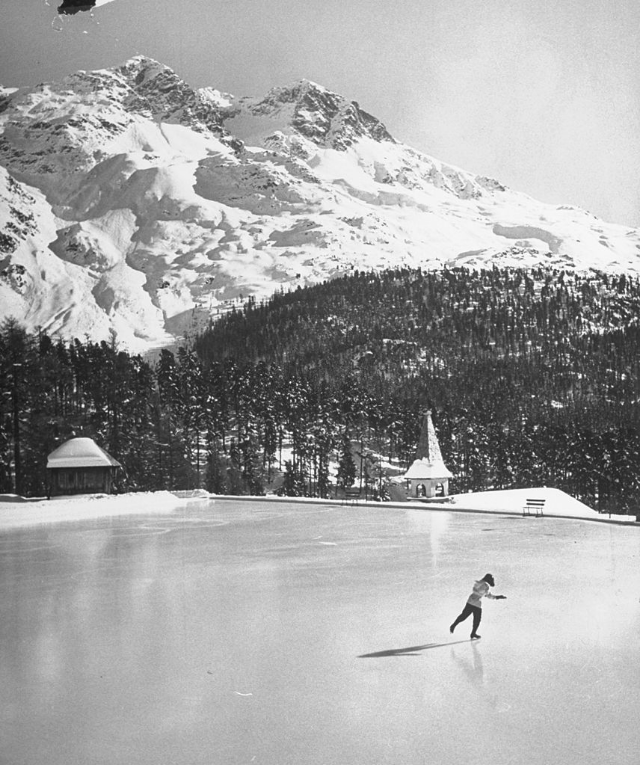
480, 590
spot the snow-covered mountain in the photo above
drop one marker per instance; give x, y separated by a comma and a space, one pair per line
134, 207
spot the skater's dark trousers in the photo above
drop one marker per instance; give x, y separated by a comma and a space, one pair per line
467, 611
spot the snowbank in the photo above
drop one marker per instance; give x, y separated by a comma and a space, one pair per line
558, 504
16, 512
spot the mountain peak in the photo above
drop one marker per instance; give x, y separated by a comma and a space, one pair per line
319, 114
142, 69
156, 89
303, 85
135, 206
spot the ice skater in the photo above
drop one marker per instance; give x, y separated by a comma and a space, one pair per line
473, 606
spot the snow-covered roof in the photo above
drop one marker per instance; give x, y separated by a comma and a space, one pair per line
80, 452
428, 470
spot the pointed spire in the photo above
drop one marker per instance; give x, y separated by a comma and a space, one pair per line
428, 446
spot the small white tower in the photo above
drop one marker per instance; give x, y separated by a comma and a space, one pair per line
428, 476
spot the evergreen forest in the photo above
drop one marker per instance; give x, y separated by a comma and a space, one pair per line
531, 377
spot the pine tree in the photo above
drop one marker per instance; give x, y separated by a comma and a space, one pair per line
346, 466
292, 485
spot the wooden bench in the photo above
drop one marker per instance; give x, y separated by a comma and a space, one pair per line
534, 506
351, 495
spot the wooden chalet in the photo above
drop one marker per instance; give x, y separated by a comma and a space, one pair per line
80, 466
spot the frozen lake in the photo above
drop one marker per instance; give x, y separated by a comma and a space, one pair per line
237, 632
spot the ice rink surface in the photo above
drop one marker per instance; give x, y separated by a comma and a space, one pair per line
237, 632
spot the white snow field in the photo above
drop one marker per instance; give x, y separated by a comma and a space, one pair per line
225, 632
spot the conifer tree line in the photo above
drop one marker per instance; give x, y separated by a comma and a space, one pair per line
532, 377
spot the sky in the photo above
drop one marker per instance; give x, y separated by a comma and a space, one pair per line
544, 96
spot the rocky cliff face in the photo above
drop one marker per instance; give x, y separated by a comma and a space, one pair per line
134, 207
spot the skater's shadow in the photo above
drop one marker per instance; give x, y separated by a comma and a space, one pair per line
413, 650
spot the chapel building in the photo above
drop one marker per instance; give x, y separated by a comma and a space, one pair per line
428, 476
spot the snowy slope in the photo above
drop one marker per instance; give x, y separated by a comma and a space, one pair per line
134, 207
